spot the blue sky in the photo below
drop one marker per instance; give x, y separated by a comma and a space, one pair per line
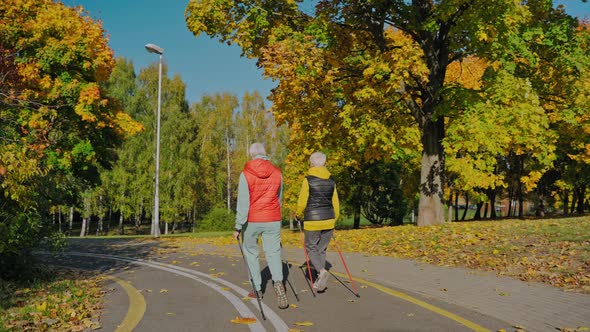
205, 65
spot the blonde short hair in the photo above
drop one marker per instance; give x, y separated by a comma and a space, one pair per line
257, 149
317, 159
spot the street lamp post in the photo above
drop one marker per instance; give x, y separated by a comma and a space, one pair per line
152, 48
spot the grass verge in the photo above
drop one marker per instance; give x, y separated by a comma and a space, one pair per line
63, 300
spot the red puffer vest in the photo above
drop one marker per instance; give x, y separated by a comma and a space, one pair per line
264, 183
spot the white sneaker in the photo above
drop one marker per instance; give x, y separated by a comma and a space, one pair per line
320, 284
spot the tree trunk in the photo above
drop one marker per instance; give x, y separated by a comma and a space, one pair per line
566, 196
59, 220
485, 210
466, 207
121, 227
573, 206
85, 219
193, 218
492, 195
510, 198
100, 217
581, 197
457, 206
430, 207
450, 212
71, 218
357, 217
110, 218
477, 215
83, 228
450, 207
520, 193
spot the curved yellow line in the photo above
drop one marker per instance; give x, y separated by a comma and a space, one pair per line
422, 304
136, 306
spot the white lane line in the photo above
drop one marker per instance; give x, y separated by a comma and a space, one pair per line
275, 320
240, 306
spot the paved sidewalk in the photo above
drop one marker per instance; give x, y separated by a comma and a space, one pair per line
526, 305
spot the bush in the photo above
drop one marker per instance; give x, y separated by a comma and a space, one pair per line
20, 234
218, 219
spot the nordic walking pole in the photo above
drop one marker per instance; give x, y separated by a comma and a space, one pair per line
289, 273
356, 292
342, 283
310, 283
251, 278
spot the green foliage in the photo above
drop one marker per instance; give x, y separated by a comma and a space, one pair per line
218, 219
350, 85
58, 127
19, 233
382, 198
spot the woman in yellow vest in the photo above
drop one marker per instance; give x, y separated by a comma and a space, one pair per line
319, 208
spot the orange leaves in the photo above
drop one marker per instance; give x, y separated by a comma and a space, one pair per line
126, 124
89, 97
243, 320
467, 72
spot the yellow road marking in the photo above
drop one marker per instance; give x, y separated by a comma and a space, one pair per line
417, 302
422, 304
136, 306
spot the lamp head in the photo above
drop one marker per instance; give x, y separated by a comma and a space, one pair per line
153, 48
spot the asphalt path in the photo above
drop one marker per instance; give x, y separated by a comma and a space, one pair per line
156, 286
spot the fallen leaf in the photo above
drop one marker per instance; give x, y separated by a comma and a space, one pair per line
225, 288
364, 286
295, 330
42, 306
243, 320
306, 323
293, 305
163, 290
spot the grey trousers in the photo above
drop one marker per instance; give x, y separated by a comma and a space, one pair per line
316, 243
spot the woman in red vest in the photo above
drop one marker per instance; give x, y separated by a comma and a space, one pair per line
260, 192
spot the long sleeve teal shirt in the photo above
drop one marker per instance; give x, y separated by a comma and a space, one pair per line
243, 205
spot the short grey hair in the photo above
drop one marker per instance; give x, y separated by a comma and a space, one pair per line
317, 159
257, 149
